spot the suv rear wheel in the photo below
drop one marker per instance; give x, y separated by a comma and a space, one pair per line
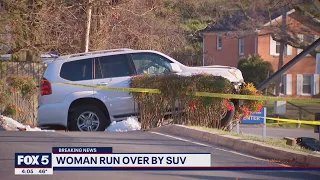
88, 118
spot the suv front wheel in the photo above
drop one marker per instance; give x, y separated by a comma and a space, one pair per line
88, 118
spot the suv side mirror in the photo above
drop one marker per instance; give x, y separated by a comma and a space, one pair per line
175, 68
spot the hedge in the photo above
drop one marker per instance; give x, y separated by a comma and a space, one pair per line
188, 109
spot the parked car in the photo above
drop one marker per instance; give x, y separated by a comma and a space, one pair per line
81, 108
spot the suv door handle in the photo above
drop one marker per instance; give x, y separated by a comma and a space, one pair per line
102, 84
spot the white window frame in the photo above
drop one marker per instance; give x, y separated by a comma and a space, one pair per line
285, 49
273, 48
286, 82
241, 43
311, 85
219, 46
300, 50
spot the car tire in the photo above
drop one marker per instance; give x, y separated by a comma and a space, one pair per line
227, 119
78, 119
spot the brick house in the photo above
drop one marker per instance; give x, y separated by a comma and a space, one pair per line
219, 48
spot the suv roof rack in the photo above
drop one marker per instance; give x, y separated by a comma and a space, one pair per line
98, 52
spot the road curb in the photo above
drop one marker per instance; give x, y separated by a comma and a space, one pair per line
241, 145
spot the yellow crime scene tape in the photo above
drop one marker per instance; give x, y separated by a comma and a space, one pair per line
206, 94
295, 121
219, 95
142, 90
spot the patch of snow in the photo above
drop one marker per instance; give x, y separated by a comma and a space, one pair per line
28, 128
10, 124
130, 124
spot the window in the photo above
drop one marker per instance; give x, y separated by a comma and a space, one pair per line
300, 36
286, 84
219, 42
112, 66
306, 86
283, 82
278, 48
300, 50
304, 38
77, 70
307, 38
275, 48
150, 63
241, 46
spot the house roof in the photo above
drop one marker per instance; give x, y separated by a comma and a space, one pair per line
308, 20
238, 20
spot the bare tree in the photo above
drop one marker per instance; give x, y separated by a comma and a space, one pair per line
67, 27
85, 44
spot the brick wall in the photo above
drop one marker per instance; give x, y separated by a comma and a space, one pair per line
229, 54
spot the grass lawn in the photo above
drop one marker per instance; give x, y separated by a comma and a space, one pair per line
290, 125
269, 141
305, 116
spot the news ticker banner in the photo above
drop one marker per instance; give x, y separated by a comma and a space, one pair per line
102, 158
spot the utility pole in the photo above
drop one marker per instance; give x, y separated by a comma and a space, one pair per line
282, 47
85, 45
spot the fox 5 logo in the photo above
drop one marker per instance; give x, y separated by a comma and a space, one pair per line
33, 160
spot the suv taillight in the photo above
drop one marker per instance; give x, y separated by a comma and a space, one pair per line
45, 87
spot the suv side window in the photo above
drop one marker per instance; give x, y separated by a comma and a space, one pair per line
150, 63
112, 66
79, 70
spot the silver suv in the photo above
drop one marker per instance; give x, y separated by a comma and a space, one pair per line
81, 108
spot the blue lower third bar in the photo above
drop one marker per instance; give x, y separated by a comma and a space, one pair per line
186, 168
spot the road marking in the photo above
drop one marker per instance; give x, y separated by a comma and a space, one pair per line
207, 145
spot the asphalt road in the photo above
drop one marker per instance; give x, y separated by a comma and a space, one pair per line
277, 132
11, 142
